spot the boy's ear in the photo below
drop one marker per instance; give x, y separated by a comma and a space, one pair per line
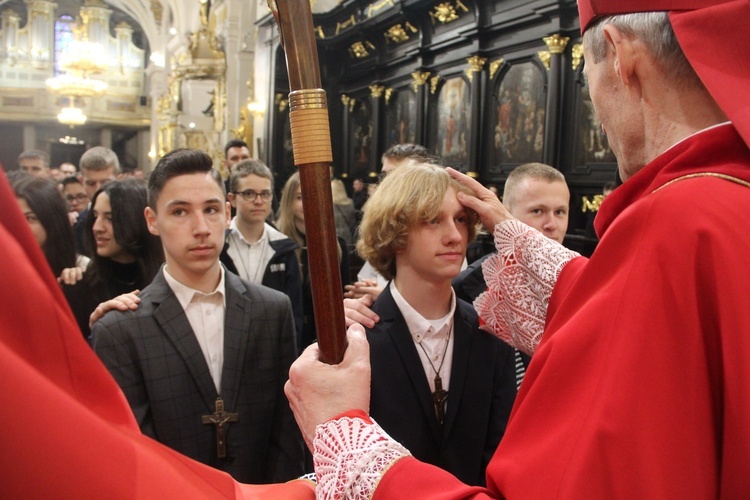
150, 215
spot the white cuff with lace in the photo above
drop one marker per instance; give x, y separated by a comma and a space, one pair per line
351, 455
520, 279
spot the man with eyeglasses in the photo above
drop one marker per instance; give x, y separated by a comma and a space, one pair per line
75, 196
254, 249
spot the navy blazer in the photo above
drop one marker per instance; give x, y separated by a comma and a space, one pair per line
481, 392
155, 357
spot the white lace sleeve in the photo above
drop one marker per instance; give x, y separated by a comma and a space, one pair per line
351, 455
520, 279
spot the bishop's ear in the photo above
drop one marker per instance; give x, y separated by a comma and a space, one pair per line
621, 48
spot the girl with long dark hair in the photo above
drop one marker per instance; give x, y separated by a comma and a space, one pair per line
125, 255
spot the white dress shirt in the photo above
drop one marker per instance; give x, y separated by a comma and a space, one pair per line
205, 313
430, 338
251, 259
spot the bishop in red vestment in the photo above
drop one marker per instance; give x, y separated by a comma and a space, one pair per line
640, 386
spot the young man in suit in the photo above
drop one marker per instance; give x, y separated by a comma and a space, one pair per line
440, 386
253, 248
203, 359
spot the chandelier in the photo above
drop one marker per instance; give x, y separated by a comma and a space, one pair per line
84, 56
81, 58
71, 115
73, 85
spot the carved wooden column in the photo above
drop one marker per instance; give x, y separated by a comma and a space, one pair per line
420, 130
476, 77
376, 147
556, 45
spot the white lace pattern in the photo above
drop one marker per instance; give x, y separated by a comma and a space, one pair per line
520, 279
351, 455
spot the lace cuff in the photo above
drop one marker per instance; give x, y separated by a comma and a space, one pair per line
520, 279
351, 455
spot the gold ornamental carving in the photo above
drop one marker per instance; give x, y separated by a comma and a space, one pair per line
591, 204
556, 43
399, 34
388, 94
280, 102
476, 64
447, 12
345, 24
360, 50
158, 10
348, 102
376, 6
376, 91
420, 78
545, 57
495, 66
318, 30
577, 53
434, 83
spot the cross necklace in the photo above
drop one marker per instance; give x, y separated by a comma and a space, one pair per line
220, 419
440, 395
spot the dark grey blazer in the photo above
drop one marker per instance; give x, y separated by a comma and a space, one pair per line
481, 392
156, 359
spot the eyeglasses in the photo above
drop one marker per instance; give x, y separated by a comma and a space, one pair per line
73, 197
250, 195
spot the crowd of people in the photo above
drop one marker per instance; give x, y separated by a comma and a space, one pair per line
528, 372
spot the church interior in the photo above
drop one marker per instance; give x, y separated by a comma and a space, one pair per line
485, 84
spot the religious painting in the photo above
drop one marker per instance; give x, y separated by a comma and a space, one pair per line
361, 135
591, 142
401, 113
451, 136
518, 118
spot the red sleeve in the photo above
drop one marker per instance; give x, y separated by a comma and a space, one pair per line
410, 478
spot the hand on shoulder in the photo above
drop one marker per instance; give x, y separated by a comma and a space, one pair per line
124, 302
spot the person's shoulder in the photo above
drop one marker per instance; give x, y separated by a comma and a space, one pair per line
279, 241
254, 291
466, 310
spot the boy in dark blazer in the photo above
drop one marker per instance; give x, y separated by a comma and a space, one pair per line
204, 358
440, 386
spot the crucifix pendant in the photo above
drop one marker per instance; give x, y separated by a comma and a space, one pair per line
220, 419
438, 398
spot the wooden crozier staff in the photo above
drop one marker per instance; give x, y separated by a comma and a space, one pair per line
311, 142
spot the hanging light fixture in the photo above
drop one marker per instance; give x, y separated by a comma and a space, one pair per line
71, 115
81, 58
74, 85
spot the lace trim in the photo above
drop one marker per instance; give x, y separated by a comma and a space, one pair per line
520, 279
351, 455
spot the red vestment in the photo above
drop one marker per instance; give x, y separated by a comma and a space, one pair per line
67, 430
640, 387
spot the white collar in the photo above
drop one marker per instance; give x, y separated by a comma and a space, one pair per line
185, 294
420, 327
